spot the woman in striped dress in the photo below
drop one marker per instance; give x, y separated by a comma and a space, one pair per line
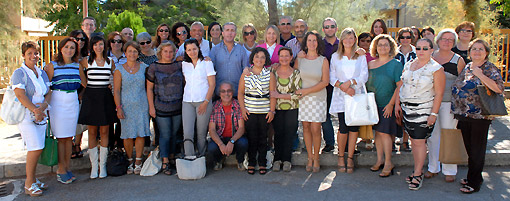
98, 107
64, 74
257, 108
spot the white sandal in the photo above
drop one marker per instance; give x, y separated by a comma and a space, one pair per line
130, 169
34, 190
41, 185
138, 168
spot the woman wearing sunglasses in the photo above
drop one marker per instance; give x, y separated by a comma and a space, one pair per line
249, 38
418, 101
114, 45
180, 32
147, 54
162, 34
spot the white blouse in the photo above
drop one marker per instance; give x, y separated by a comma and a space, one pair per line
197, 85
418, 85
343, 70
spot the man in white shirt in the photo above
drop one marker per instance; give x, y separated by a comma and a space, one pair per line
197, 32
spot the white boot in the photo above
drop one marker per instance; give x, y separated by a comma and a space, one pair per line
93, 162
103, 155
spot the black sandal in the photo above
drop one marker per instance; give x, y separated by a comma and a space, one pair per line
463, 182
262, 171
166, 169
468, 189
251, 170
409, 178
415, 186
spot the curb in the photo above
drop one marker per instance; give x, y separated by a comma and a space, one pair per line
492, 158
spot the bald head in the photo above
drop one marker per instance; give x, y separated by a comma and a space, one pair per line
300, 28
127, 33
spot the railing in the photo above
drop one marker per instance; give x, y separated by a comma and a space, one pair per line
499, 40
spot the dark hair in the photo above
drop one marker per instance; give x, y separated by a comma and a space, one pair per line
405, 30
320, 43
159, 39
59, 58
211, 26
111, 36
427, 28
364, 35
173, 32
89, 18
29, 44
132, 44
285, 48
92, 55
383, 24
85, 50
257, 50
431, 45
467, 24
418, 36
189, 42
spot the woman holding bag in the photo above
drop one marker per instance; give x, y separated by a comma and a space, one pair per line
348, 74
31, 86
467, 108
419, 99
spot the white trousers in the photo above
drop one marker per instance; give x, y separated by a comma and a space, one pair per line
444, 120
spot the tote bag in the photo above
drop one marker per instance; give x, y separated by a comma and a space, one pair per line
190, 167
493, 104
361, 109
49, 155
12, 112
451, 149
153, 164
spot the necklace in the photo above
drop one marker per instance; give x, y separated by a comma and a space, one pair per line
130, 69
250, 48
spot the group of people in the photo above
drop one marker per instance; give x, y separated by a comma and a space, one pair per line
244, 95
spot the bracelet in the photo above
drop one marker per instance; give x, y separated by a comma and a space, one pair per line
207, 100
339, 84
433, 114
274, 112
119, 107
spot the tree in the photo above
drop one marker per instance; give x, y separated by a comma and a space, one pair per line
272, 9
67, 15
125, 19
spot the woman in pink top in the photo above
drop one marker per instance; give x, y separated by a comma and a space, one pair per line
272, 44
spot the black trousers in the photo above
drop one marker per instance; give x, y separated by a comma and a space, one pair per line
114, 140
474, 133
256, 131
285, 125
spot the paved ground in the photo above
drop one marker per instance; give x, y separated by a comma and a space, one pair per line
230, 184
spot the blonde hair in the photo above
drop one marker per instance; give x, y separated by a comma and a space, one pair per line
392, 43
249, 25
276, 30
341, 50
163, 45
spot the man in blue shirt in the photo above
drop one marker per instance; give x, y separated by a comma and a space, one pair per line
229, 58
285, 26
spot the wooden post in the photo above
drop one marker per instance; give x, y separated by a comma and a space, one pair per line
85, 8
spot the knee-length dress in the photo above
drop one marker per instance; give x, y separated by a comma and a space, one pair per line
312, 107
134, 104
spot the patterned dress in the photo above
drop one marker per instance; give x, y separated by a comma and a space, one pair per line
288, 86
312, 107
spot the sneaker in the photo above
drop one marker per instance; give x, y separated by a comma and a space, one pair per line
287, 166
328, 148
277, 165
218, 166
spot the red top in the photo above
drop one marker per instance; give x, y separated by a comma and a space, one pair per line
227, 132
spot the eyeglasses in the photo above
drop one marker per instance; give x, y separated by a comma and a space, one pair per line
146, 42
249, 33
422, 48
477, 49
182, 33
365, 41
226, 91
405, 37
164, 30
283, 24
81, 39
466, 31
329, 26
116, 41
450, 40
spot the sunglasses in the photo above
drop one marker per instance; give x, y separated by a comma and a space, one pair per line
116, 41
283, 24
405, 37
329, 26
164, 30
147, 42
249, 33
226, 91
422, 48
81, 39
182, 33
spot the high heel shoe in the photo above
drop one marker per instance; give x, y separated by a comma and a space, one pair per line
376, 168
316, 169
350, 169
387, 173
308, 168
341, 168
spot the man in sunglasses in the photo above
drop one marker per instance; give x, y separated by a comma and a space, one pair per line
128, 34
300, 29
285, 26
88, 25
197, 32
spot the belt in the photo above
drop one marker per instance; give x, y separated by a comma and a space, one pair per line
67, 91
410, 104
257, 96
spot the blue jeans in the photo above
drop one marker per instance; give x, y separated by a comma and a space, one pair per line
168, 127
240, 148
328, 133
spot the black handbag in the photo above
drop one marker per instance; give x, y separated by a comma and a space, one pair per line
117, 163
493, 104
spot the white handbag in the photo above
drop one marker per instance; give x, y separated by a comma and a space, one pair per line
12, 111
153, 164
190, 167
361, 109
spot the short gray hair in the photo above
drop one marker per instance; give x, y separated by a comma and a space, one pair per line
230, 23
222, 83
143, 37
440, 34
288, 18
199, 24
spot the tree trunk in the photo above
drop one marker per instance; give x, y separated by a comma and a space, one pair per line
272, 9
472, 10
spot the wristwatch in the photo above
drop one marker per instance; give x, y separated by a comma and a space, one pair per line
232, 141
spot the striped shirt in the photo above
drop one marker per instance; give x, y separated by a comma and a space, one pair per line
65, 77
98, 76
256, 92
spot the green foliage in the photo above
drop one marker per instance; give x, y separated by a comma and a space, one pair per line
242, 12
124, 19
503, 5
67, 14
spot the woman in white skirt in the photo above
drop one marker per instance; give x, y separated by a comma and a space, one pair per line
31, 86
64, 74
